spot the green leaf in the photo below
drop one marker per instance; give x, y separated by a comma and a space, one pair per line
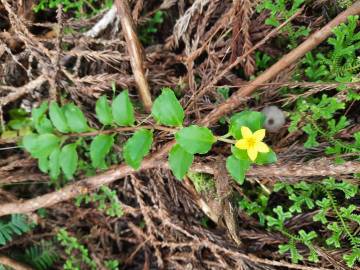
137, 147
75, 118
40, 146
103, 111
240, 153
122, 110
250, 119
180, 161
195, 139
266, 158
54, 164
351, 258
43, 163
167, 109
57, 117
237, 168
41, 122
69, 160
99, 148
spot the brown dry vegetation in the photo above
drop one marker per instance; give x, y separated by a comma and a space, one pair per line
200, 46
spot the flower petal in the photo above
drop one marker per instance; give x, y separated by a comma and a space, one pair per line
246, 132
252, 153
259, 135
262, 147
241, 144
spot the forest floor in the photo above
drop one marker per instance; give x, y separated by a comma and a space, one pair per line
190, 134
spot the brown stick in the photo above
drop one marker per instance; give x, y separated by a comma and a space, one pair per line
321, 168
288, 59
84, 186
13, 264
135, 51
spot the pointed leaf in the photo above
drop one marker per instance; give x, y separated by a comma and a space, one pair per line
237, 168
103, 111
54, 164
57, 117
69, 160
75, 118
167, 109
195, 139
99, 148
180, 161
137, 147
40, 146
122, 110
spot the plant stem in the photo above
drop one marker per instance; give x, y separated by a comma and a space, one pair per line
222, 139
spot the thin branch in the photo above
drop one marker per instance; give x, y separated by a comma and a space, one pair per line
318, 168
135, 51
104, 22
13, 264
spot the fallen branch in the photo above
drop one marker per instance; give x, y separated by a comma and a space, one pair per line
17, 92
322, 168
104, 22
135, 51
12, 263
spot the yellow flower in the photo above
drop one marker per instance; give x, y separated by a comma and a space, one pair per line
252, 142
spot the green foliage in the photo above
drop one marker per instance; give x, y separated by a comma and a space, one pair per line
41, 256
202, 182
17, 225
60, 155
195, 139
237, 168
103, 111
341, 62
150, 28
19, 124
280, 11
106, 201
99, 148
81, 8
180, 161
78, 254
68, 160
137, 147
167, 109
123, 110
324, 116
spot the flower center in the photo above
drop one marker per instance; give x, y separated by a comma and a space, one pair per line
251, 142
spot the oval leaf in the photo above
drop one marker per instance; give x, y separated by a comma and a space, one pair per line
99, 148
41, 146
69, 160
57, 117
122, 110
195, 139
237, 168
137, 147
167, 109
250, 119
266, 158
103, 111
180, 161
75, 118
54, 164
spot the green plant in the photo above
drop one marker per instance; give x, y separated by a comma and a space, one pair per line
147, 31
78, 254
19, 124
17, 225
106, 201
41, 256
341, 63
82, 8
280, 12
59, 140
